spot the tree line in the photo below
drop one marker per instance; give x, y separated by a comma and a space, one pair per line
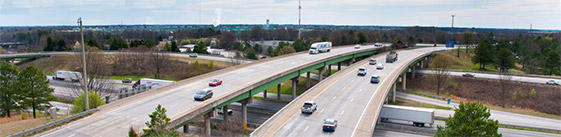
21, 90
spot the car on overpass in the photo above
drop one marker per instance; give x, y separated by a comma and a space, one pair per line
361, 71
552, 82
203, 94
375, 79
357, 46
329, 125
193, 55
309, 107
127, 80
468, 75
221, 111
215, 82
380, 66
372, 61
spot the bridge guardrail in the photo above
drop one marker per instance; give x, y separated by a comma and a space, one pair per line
53, 123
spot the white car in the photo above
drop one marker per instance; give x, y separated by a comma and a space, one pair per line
221, 111
357, 46
372, 62
380, 66
552, 82
361, 71
309, 107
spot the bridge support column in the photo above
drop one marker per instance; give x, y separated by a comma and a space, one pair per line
338, 66
320, 74
278, 91
413, 71
207, 124
186, 128
265, 94
308, 79
294, 84
225, 114
404, 80
244, 110
393, 91
329, 70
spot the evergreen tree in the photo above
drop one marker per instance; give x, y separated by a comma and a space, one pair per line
470, 120
149, 44
51, 45
362, 38
251, 54
200, 48
299, 45
483, 53
35, 89
9, 95
174, 47
551, 62
116, 44
505, 59
158, 123
61, 45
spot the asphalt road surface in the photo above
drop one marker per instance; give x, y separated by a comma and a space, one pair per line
345, 97
116, 118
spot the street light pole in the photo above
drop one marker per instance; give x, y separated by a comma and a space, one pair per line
85, 76
299, 18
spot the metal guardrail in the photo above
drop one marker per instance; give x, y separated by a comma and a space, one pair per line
53, 123
514, 126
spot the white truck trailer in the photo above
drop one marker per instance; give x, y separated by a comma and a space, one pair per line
67, 75
149, 83
419, 116
319, 47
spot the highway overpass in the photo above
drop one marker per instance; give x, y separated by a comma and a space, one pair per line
240, 83
351, 99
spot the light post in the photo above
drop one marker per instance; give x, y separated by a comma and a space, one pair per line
85, 76
452, 33
299, 18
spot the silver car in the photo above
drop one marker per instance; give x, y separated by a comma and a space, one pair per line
309, 107
361, 71
380, 66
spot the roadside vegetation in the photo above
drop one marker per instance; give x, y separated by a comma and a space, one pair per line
405, 102
527, 98
470, 119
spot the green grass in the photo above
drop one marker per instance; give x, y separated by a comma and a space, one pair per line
422, 105
530, 129
286, 87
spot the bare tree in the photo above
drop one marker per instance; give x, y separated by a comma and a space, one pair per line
440, 65
158, 60
98, 71
504, 78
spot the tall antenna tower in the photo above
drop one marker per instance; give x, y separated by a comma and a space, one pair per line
299, 18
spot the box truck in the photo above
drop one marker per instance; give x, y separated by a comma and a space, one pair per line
419, 116
67, 75
319, 47
150, 83
391, 57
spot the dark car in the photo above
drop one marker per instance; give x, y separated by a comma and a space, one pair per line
375, 79
127, 80
552, 82
203, 94
329, 125
468, 75
193, 55
215, 82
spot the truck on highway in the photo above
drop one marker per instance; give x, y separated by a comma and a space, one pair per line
67, 75
391, 57
319, 47
419, 116
148, 83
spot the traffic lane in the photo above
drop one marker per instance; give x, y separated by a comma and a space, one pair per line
341, 102
206, 57
174, 100
507, 132
502, 116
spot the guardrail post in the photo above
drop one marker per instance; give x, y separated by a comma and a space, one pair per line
207, 125
279, 91
308, 79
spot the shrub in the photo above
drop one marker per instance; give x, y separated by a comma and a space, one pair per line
533, 92
94, 101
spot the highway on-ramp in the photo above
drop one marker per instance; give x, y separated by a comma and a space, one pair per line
115, 119
350, 99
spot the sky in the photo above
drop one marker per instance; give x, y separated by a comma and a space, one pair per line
518, 14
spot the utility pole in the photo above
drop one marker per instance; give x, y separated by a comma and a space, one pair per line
452, 33
85, 75
299, 18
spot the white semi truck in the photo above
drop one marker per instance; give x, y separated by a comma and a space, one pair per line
319, 47
149, 83
67, 75
419, 116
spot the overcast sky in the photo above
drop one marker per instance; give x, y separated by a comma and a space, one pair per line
543, 14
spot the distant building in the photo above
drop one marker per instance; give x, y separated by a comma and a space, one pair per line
185, 48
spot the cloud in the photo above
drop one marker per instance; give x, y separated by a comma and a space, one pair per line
32, 3
218, 17
1, 4
153, 4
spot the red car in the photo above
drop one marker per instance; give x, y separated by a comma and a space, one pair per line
215, 82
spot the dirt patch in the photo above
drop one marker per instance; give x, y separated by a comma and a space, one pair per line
15, 124
510, 94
